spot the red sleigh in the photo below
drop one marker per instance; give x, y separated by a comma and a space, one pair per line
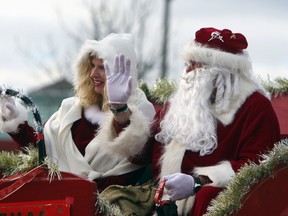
71, 195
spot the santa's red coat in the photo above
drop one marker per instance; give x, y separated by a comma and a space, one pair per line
254, 130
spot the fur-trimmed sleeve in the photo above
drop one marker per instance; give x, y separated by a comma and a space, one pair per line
130, 141
220, 174
11, 126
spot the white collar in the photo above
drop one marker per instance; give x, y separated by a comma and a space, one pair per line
245, 90
94, 114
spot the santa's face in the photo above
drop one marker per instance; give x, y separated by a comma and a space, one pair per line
192, 65
98, 75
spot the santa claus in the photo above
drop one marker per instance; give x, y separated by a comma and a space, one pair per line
219, 118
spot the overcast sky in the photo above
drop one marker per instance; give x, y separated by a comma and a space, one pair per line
263, 22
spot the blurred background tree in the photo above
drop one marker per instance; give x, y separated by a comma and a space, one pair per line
100, 18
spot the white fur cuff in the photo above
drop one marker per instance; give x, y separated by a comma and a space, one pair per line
220, 174
130, 141
12, 126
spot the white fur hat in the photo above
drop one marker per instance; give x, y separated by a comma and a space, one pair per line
106, 49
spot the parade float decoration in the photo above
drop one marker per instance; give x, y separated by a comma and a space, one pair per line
32, 185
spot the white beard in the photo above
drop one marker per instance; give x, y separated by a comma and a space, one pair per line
189, 119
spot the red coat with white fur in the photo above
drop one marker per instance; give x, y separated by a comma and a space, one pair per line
253, 131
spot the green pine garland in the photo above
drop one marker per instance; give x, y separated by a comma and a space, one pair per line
229, 200
277, 87
12, 163
15, 162
160, 91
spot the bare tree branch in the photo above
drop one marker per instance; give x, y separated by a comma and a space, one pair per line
104, 17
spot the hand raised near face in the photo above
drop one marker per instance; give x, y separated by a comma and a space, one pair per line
119, 81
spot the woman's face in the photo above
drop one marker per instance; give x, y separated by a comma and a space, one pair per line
98, 75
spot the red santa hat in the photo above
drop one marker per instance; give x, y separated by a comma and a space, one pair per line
220, 48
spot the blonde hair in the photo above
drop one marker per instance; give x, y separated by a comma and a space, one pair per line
105, 49
84, 87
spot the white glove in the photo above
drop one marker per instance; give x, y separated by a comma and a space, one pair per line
179, 186
8, 108
119, 83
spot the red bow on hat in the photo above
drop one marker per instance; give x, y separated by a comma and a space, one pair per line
224, 40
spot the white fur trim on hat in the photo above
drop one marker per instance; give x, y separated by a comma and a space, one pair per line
219, 174
235, 62
130, 141
12, 126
